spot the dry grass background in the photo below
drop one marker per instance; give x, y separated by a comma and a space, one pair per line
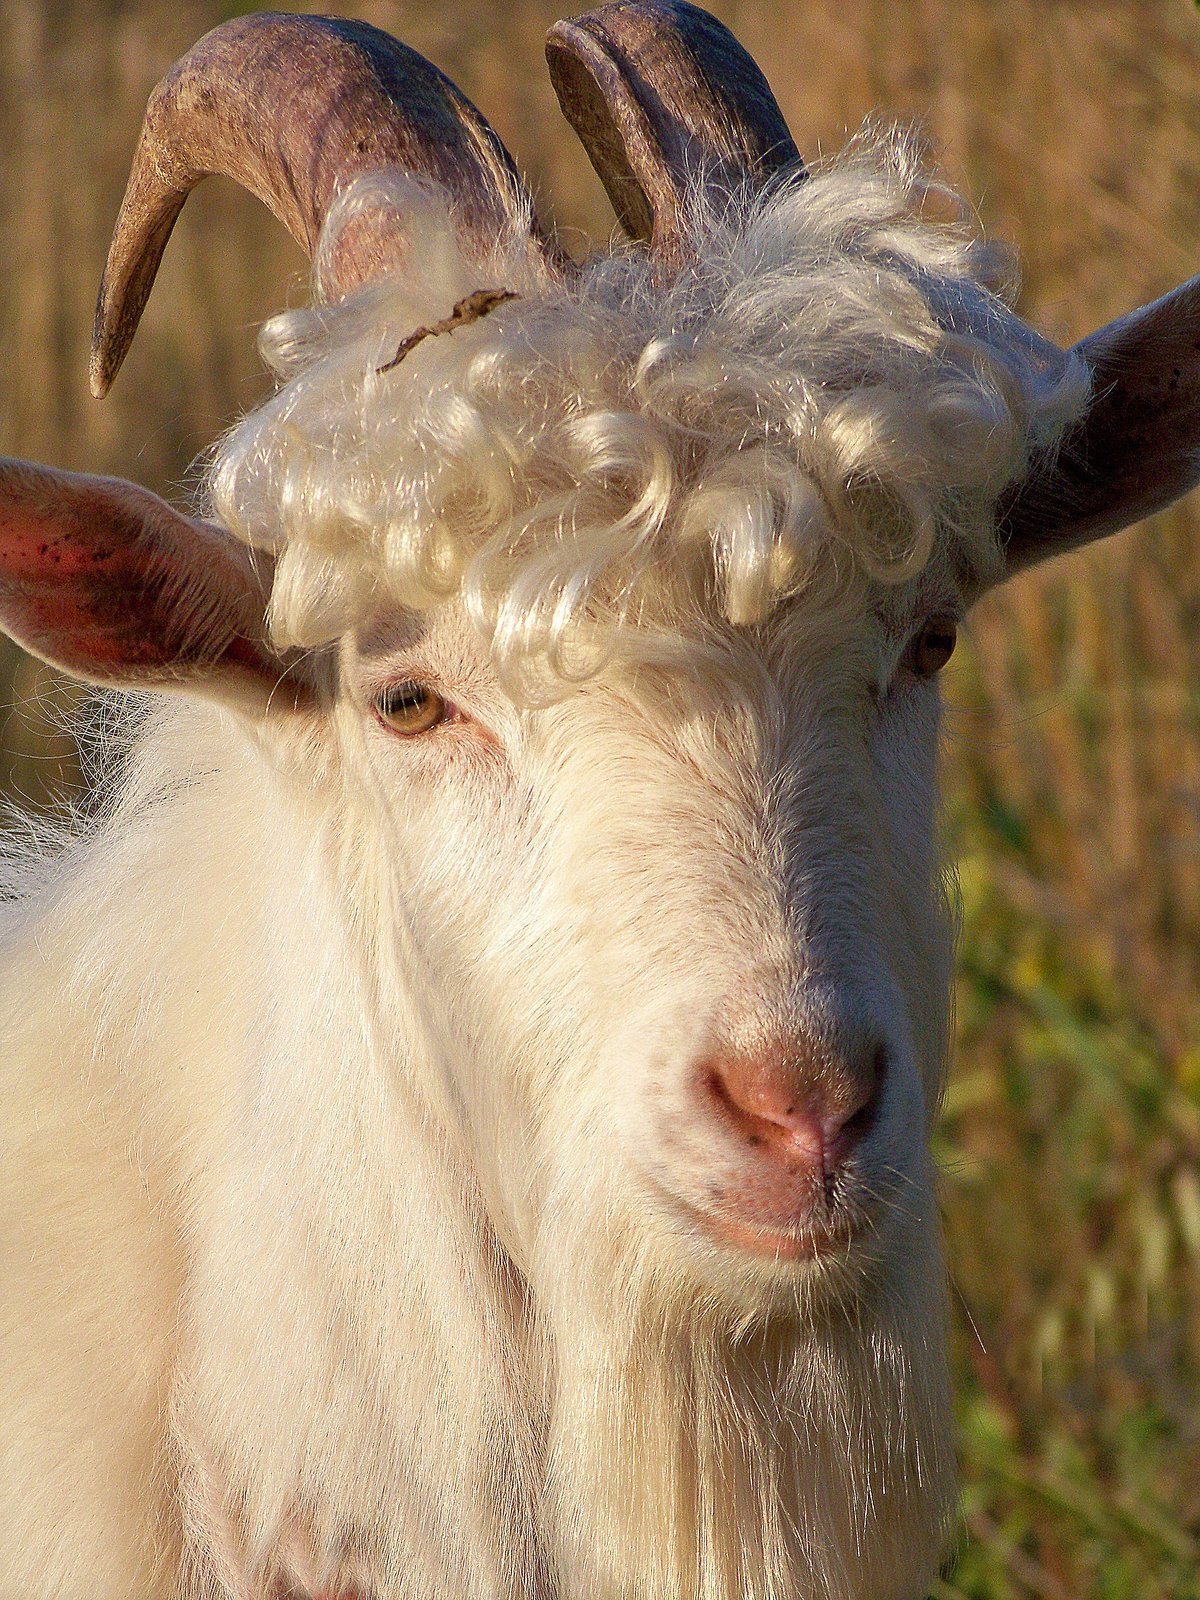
1071, 1141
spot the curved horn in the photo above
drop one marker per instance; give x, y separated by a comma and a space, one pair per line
293, 108
660, 93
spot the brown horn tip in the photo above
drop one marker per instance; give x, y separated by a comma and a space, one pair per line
294, 108
661, 93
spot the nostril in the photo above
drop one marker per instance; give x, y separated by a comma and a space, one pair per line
854, 1124
802, 1107
777, 1122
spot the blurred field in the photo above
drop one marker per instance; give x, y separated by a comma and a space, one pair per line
1071, 1140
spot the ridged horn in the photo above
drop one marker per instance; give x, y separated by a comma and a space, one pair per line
293, 108
661, 93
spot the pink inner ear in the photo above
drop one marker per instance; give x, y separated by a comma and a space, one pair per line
107, 581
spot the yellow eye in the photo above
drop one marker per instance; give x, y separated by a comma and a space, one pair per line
410, 707
933, 647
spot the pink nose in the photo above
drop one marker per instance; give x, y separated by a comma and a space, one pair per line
800, 1104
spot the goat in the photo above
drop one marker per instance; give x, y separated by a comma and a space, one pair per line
469, 1083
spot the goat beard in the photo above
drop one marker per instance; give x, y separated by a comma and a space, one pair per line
695, 1454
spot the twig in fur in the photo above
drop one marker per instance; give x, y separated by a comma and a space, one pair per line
469, 309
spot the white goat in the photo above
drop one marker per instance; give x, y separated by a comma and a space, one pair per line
467, 1098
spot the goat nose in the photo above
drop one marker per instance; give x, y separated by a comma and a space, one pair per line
801, 1104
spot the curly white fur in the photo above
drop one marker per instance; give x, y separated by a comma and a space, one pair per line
831, 371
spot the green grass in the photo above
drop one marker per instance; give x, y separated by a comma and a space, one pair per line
1070, 1148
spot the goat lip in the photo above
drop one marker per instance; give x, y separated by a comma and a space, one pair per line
774, 1242
767, 1240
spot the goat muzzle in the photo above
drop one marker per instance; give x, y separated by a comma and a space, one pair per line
798, 1104
786, 1119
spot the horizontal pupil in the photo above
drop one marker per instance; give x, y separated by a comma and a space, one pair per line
408, 697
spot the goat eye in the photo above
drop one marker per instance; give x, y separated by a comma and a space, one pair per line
410, 707
933, 647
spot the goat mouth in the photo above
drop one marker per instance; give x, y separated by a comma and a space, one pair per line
773, 1242
809, 1241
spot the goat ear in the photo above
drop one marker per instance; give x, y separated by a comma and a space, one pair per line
108, 582
1137, 448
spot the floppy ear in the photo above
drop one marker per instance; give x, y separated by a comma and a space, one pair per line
108, 582
1137, 448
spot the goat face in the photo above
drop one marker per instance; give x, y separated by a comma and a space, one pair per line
662, 961
692, 929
